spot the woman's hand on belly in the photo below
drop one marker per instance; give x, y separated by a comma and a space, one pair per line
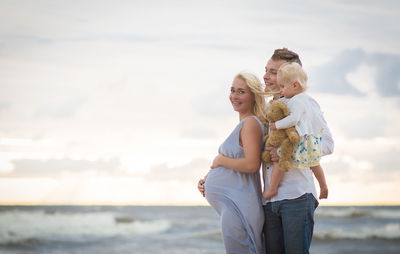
216, 162
200, 184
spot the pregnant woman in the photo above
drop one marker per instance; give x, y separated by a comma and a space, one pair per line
233, 186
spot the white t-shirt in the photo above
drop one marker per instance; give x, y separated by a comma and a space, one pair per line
297, 182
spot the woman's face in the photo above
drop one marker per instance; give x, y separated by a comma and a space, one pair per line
241, 97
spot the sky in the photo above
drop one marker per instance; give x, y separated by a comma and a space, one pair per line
126, 102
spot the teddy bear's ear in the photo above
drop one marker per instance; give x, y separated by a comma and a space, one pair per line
284, 108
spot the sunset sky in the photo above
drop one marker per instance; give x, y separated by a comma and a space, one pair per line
126, 102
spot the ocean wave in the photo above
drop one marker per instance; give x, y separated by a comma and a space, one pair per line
212, 234
358, 212
26, 242
28, 227
387, 214
390, 231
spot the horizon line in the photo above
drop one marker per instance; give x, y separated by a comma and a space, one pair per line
172, 204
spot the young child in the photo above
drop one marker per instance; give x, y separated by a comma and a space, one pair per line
309, 123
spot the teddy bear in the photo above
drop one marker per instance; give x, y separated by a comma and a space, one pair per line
284, 138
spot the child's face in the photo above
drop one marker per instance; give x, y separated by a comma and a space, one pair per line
288, 90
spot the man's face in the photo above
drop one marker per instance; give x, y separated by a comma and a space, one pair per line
270, 77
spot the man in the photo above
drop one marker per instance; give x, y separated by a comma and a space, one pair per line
289, 216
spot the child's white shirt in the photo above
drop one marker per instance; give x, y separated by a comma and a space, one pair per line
305, 116
297, 182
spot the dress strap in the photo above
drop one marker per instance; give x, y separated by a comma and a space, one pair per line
259, 123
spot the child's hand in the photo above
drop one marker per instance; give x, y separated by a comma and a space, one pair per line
272, 126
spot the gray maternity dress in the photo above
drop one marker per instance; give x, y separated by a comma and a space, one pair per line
237, 199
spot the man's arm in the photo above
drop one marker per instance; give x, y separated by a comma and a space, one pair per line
327, 141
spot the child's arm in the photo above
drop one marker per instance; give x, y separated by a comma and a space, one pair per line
296, 110
251, 135
319, 174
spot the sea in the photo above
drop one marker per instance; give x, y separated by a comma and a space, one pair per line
179, 229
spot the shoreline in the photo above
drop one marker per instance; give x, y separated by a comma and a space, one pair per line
383, 204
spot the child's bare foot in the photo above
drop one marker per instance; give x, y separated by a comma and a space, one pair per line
269, 193
323, 193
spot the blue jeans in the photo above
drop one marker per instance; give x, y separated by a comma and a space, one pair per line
289, 225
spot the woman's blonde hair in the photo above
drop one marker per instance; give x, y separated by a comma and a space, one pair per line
291, 72
256, 87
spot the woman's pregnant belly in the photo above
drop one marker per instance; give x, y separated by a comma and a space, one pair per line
220, 182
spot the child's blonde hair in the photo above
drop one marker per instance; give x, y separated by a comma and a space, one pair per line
291, 72
256, 87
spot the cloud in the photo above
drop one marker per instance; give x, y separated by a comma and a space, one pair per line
57, 167
215, 103
194, 169
353, 159
388, 73
366, 172
4, 105
65, 108
150, 81
365, 127
205, 132
332, 77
